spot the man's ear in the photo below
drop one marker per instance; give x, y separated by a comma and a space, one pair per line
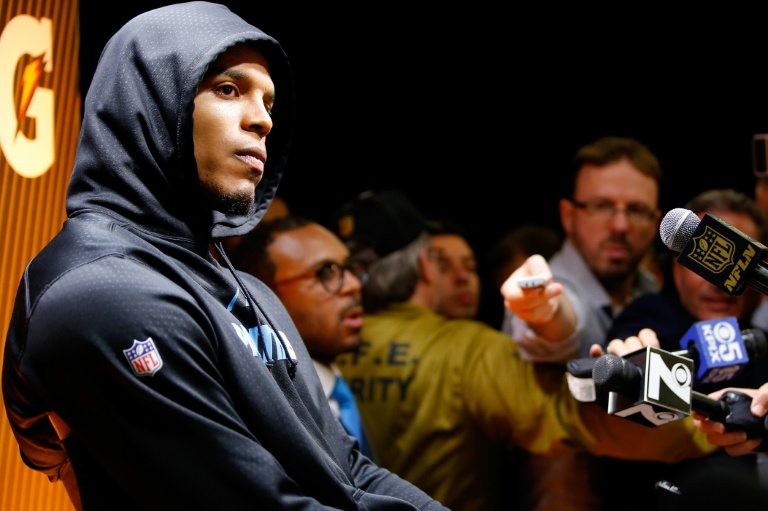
566, 214
427, 266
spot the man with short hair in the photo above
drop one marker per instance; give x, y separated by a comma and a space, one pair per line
609, 213
137, 369
309, 269
610, 217
459, 293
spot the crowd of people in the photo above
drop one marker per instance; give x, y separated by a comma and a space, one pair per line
189, 341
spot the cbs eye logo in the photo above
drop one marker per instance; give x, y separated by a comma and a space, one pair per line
20, 100
677, 378
724, 332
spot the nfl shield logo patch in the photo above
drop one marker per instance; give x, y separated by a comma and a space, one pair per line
144, 358
713, 251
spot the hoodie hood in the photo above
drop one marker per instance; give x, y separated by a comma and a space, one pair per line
135, 157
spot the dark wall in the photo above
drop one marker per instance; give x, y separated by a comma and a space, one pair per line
474, 112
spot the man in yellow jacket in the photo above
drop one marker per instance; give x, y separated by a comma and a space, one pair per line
444, 398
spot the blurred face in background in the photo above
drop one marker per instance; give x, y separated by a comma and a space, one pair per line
612, 218
761, 193
328, 315
458, 284
704, 300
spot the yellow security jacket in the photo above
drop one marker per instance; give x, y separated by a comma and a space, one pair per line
443, 398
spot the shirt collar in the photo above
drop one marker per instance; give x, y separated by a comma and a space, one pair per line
569, 267
327, 375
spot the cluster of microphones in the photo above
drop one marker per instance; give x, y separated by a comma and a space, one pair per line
654, 387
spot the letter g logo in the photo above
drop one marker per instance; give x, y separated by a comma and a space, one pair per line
21, 99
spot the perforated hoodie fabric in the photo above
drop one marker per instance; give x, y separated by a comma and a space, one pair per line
169, 368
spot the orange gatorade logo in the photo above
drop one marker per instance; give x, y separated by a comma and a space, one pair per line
26, 109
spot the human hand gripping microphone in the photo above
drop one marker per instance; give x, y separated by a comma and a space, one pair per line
719, 351
653, 387
715, 250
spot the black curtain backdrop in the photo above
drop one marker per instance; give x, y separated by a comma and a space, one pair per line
475, 110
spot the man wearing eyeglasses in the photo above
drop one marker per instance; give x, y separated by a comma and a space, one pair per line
610, 217
308, 268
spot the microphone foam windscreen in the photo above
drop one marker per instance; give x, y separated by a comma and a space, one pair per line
609, 371
677, 227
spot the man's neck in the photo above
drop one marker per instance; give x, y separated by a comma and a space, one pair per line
323, 360
621, 293
424, 296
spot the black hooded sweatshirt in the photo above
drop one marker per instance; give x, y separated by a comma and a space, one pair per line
164, 364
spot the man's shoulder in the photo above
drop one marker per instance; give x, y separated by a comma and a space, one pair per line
661, 312
570, 268
101, 273
652, 307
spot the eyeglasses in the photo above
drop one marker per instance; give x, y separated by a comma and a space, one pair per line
331, 275
605, 210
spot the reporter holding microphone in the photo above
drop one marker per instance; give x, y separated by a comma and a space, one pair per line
686, 300
735, 443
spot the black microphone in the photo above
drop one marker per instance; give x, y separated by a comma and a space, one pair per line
716, 250
718, 348
649, 386
642, 387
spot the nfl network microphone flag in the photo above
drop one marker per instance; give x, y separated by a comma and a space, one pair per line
720, 348
716, 250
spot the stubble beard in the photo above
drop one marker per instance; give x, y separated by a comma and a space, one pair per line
241, 203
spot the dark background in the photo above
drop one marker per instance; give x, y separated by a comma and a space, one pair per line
475, 110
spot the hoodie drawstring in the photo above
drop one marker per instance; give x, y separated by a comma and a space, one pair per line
254, 306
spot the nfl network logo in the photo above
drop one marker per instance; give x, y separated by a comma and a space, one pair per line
143, 357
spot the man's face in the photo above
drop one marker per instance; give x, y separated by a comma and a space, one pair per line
232, 119
458, 284
761, 193
704, 300
329, 323
605, 219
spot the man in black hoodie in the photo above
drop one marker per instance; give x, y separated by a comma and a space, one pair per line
138, 370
